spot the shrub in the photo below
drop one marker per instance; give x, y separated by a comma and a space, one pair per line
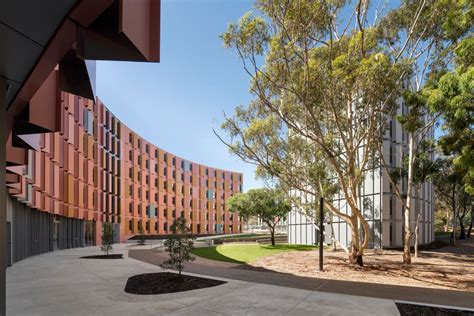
178, 246
107, 237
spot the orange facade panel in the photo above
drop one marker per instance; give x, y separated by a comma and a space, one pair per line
111, 173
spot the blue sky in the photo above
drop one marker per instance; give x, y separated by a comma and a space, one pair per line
176, 103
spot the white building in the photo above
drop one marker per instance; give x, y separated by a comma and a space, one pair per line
380, 206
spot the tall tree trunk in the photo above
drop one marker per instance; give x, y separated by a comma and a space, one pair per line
461, 223
469, 231
333, 238
446, 226
355, 250
462, 234
272, 235
453, 205
417, 223
407, 211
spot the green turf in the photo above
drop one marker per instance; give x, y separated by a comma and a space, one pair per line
239, 253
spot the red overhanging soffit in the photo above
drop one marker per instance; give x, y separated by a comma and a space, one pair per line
117, 30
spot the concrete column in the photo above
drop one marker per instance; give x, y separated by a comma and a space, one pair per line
3, 194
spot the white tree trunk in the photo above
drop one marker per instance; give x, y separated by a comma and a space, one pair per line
333, 237
417, 223
407, 212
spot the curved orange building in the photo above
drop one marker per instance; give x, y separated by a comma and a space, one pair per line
94, 170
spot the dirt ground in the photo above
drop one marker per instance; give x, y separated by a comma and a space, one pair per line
444, 268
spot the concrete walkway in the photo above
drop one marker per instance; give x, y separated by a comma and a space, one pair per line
60, 283
383, 291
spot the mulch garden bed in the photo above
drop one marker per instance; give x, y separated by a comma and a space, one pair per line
423, 310
166, 282
110, 256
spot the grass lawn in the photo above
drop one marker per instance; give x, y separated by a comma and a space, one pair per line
241, 253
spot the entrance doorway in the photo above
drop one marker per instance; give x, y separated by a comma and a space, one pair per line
9, 243
90, 233
56, 233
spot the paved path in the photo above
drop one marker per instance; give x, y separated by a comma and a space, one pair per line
393, 292
60, 283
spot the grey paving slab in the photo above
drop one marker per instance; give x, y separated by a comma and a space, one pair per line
61, 283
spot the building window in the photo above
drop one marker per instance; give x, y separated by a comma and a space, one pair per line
165, 157
156, 226
130, 207
207, 172
146, 148
130, 155
130, 225
156, 153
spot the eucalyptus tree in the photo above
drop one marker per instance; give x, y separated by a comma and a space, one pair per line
427, 46
450, 191
325, 82
451, 94
269, 205
323, 88
425, 168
